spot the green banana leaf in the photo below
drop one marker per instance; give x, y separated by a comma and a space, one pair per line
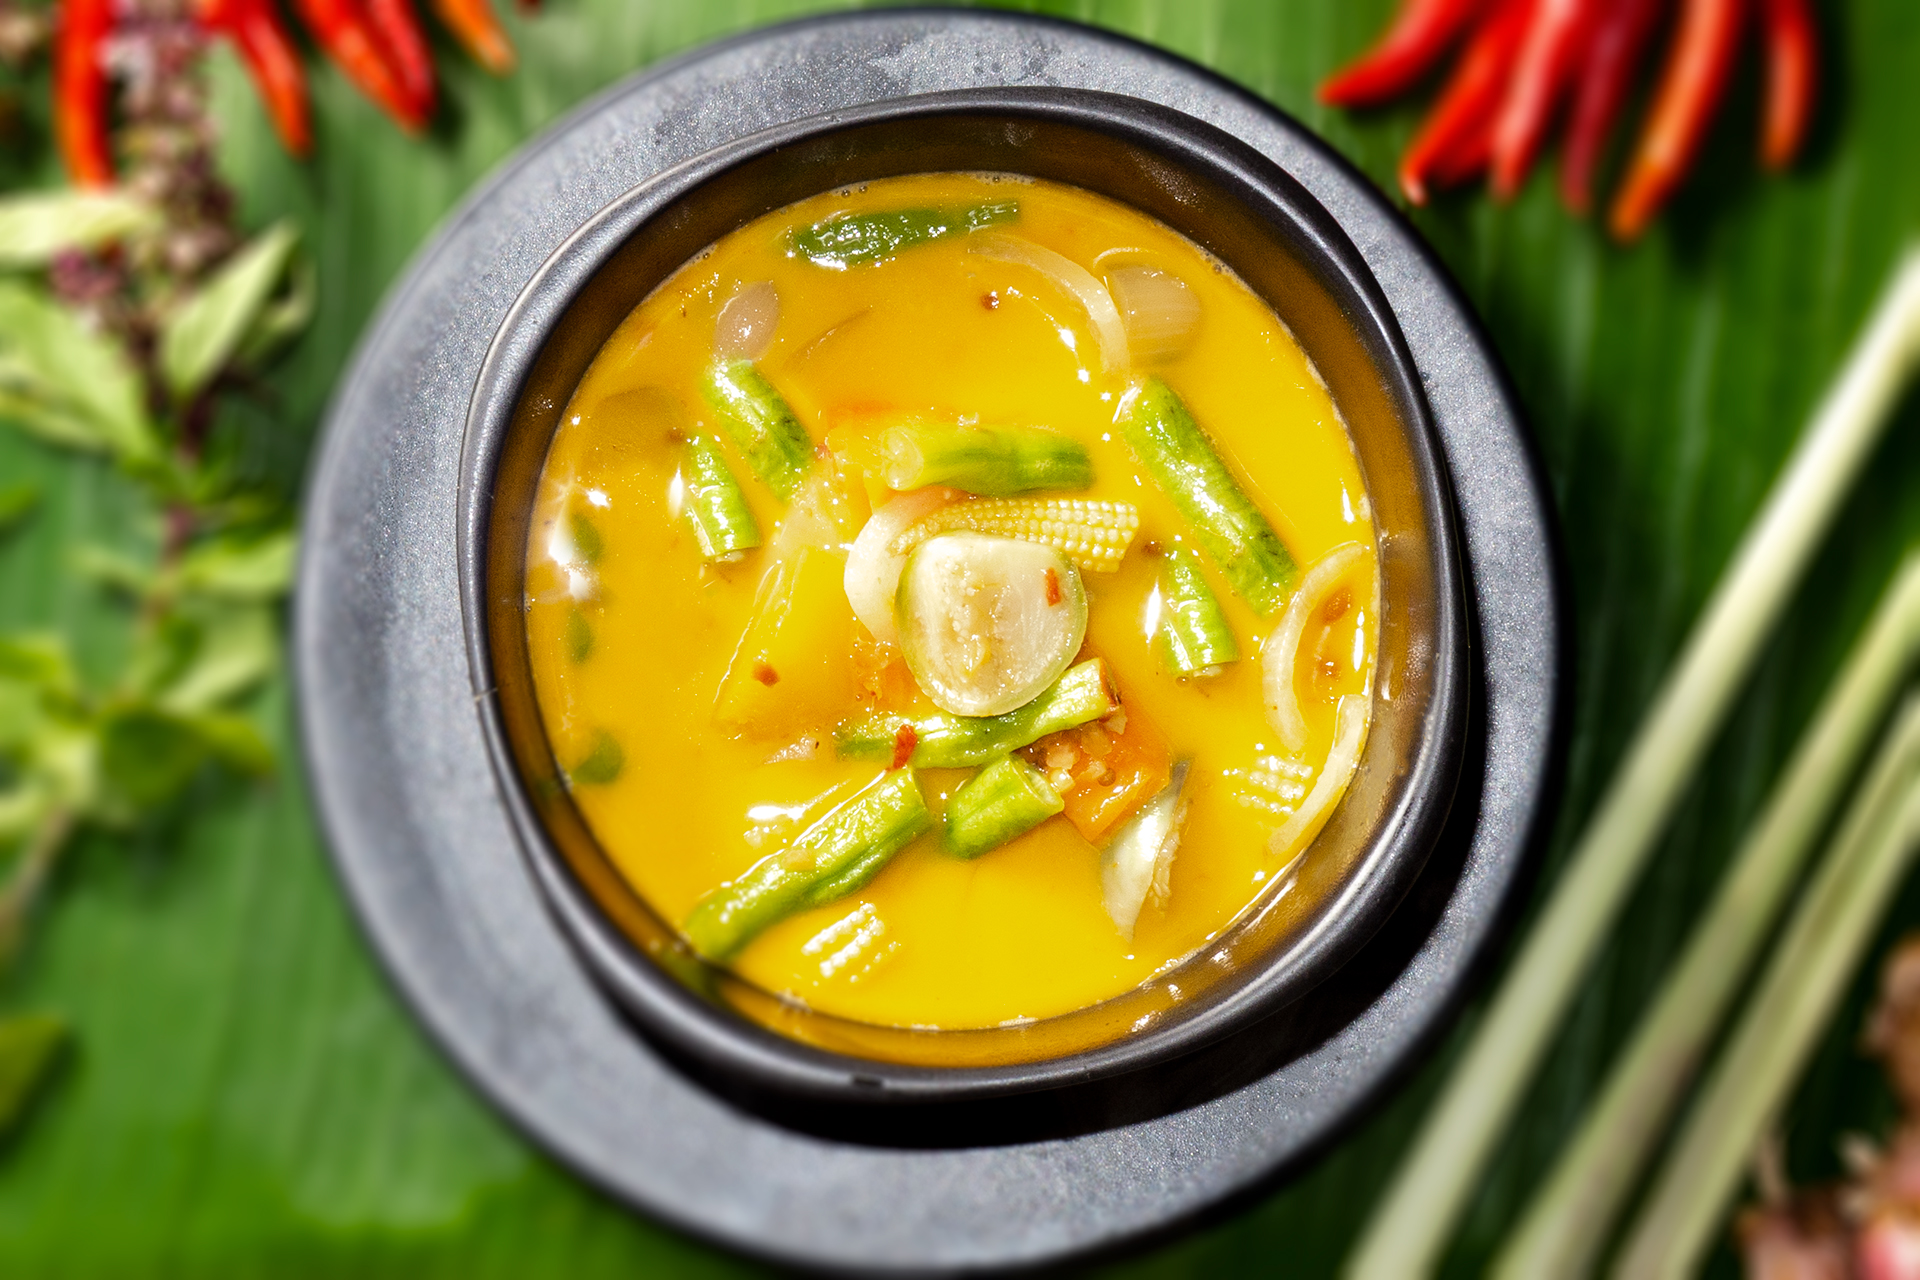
244, 1096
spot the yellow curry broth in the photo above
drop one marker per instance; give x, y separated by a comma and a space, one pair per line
630, 643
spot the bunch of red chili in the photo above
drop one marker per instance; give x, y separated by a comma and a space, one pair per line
1524, 62
378, 44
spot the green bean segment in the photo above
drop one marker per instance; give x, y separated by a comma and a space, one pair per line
942, 741
835, 856
723, 523
1193, 634
996, 462
852, 240
1235, 536
761, 425
1006, 799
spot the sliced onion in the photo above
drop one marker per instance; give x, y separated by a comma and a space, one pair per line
746, 324
1349, 736
873, 572
1283, 646
1070, 276
1139, 861
1160, 313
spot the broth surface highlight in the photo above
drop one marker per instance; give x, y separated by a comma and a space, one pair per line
631, 632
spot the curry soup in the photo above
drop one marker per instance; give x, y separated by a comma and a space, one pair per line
953, 600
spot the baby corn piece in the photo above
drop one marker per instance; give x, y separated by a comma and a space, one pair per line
1094, 535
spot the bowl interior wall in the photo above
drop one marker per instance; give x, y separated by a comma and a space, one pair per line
1300, 264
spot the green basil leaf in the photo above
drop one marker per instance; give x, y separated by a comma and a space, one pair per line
23, 807
232, 651
110, 567
17, 502
148, 756
38, 660
67, 384
284, 318
258, 568
30, 1045
34, 226
233, 740
204, 330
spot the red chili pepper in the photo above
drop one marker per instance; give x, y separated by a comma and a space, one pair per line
342, 29
1617, 42
1691, 85
1456, 139
1423, 31
1791, 72
80, 91
478, 30
1542, 71
398, 28
254, 27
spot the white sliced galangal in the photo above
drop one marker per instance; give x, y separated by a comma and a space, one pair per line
987, 623
1281, 652
1138, 862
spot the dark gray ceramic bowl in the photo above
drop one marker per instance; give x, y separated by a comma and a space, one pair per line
1248, 213
428, 843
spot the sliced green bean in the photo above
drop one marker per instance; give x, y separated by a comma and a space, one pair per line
1006, 799
942, 741
1176, 453
853, 239
1193, 634
761, 424
830, 859
723, 523
997, 462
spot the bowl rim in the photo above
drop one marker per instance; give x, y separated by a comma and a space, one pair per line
752, 1057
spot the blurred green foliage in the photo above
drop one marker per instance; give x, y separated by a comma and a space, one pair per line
250, 1099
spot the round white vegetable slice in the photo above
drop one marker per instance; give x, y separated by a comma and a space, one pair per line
987, 624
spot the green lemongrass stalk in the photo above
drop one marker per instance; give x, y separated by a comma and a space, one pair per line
1414, 1219
1567, 1222
1791, 1005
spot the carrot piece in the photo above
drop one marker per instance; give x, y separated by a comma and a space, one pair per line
478, 30
1557, 31
1456, 137
1105, 770
1690, 89
264, 45
1422, 32
80, 91
397, 26
1792, 58
1618, 39
342, 29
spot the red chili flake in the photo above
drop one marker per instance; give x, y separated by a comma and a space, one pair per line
991, 301
1053, 588
765, 674
905, 739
